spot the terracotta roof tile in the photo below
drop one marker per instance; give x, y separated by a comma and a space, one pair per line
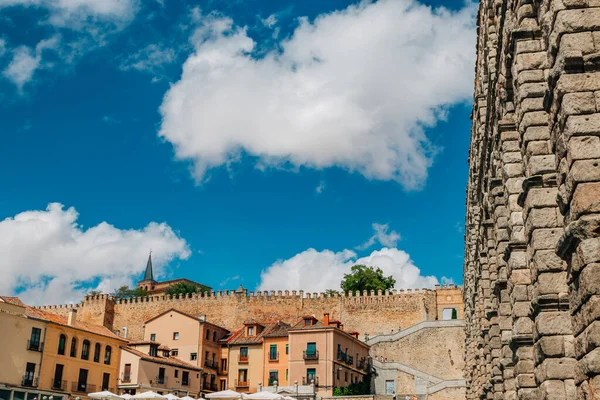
12, 300
241, 336
173, 361
63, 320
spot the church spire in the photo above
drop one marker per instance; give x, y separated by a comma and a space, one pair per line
148, 275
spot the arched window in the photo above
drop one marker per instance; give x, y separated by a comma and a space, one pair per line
97, 352
107, 354
73, 347
62, 344
207, 334
85, 350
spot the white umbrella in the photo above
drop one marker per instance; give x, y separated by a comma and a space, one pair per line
263, 396
288, 398
224, 394
190, 398
148, 395
104, 395
171, 396
125, 396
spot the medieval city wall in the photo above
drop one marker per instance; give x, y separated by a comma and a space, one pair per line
372, 313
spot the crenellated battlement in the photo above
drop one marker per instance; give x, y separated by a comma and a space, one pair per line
58, 307
361, 310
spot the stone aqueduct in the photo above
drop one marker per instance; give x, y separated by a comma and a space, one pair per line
532, 256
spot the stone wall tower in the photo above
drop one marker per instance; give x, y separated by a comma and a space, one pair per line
532, 241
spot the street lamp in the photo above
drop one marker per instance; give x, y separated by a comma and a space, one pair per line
296, 384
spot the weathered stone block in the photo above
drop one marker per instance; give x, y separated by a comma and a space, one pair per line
552, 283
586, 199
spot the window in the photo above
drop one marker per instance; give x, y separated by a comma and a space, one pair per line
244, 353
206, 353
175, 335
185, 378
85, 350
73, 347
35, 339
193, 356
175, 352
242, 376
346, 376
273, 352
127, 374
223, 364
390, 387
28, 379
222, 384
62, 344
176, 373
57, 382
250, 331
153, 337
273, 377
214, 336
337, 375
311, 349
107, 354
286, 374
207, 336
307, 321
82, 381
160, 379
311, 375
97, 352
287, 349
105, 381
153, 350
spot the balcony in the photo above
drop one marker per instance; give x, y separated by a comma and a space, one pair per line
29, 381
82, 387
307, 380
35, 345
349, 360
310, 355
125, 378
362, 364
185, 383
160, 380
212, 387
242, 383
212, 364
243, 358
273, 357
341, 356
59, 385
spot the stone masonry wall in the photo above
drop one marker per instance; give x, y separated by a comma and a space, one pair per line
372, 313
532, 241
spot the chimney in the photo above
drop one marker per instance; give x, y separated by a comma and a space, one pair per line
125, 330
342, 326
72, 317
326, 319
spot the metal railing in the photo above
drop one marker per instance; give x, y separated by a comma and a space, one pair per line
29, 381
185, 383
274, 356
240, 383
160, 380
349, 360
243, 359
125, 378
212, 364
310, 355
82, 387
59, 385
35, 345
307, 380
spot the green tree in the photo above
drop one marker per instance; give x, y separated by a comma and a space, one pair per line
332, 292
124, 292
185, 288
93, 292
362, 278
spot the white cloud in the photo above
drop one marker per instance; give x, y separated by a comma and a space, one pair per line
77, 14
381, 236
151, 58
353, 89
48, 258
318, 271
26, 61
319, 189
270, 21
2, 47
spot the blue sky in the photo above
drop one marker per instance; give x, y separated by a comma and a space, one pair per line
243, 143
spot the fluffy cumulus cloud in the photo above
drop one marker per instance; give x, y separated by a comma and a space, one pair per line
317, 271
355, 88
47, 257
25, 61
